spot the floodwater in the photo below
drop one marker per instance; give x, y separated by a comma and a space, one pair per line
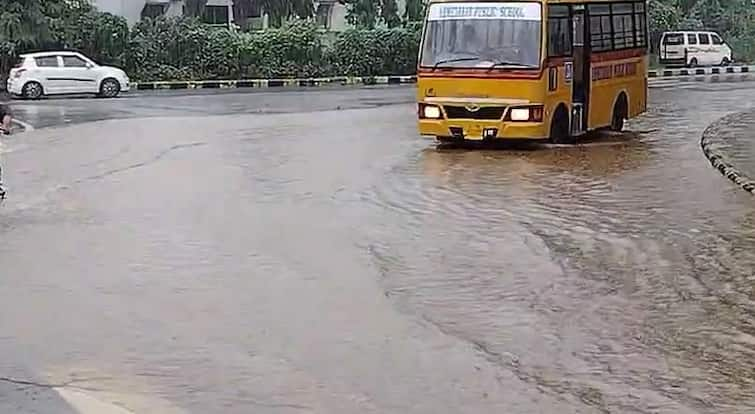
333, 262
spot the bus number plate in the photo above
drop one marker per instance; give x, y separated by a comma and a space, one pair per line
474, 132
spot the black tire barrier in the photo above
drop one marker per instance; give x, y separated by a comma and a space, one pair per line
717, 157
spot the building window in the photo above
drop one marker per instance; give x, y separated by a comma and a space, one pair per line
559, 31
254, 11
215, 15
324, 10
153, 11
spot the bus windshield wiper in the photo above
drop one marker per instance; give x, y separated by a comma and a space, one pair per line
506, 63
464, 59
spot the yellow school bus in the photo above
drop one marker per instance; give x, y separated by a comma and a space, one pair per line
547, 69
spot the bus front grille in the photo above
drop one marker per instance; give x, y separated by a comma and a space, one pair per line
484, 112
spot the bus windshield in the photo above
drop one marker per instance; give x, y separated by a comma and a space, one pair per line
482, 35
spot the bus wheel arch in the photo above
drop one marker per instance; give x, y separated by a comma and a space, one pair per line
560, 131
620, 112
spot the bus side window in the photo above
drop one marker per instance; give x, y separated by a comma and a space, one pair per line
704, 39
691, 39
579, 29
559, 31
640, 27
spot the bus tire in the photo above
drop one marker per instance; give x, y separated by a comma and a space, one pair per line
620, 113
560, 133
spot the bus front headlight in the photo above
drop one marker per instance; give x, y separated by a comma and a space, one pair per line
525, 114
430, 112
520, 114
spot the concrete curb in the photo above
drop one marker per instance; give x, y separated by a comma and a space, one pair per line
706, 73
710, 145
276, 83
681, 72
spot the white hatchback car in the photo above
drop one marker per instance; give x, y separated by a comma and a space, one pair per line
59, 73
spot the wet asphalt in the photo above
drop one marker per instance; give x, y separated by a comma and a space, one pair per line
306, 251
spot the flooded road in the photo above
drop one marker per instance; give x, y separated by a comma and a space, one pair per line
333, 262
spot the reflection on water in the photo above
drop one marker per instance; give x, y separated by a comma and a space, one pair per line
617, 273
599, 156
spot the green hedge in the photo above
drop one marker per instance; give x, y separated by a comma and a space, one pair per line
184, 49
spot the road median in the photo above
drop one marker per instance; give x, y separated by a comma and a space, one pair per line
729, 145
656, 76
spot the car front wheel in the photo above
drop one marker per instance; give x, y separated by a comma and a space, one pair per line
32, 90
110, 88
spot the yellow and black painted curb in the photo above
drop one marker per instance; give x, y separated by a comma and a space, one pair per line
276, 83
710, 143
687, 72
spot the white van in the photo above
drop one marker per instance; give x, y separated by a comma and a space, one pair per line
694, 49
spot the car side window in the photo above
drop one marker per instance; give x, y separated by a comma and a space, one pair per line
673, 39
74, 62
692, 39
47, 61
704, 39
716, 40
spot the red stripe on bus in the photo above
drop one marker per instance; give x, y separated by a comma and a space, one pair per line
617, 55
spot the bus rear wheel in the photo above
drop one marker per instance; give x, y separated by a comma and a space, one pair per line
560, 133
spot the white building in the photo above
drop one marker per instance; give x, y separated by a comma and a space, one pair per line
330, 14
219, 11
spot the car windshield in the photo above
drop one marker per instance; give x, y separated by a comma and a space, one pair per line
482, 35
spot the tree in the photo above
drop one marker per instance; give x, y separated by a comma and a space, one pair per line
414, 11
367, 13
361, 13
24, 24
389, 13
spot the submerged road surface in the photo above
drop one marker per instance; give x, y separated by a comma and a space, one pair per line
307, 252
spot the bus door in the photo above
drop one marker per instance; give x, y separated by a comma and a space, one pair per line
580, 72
